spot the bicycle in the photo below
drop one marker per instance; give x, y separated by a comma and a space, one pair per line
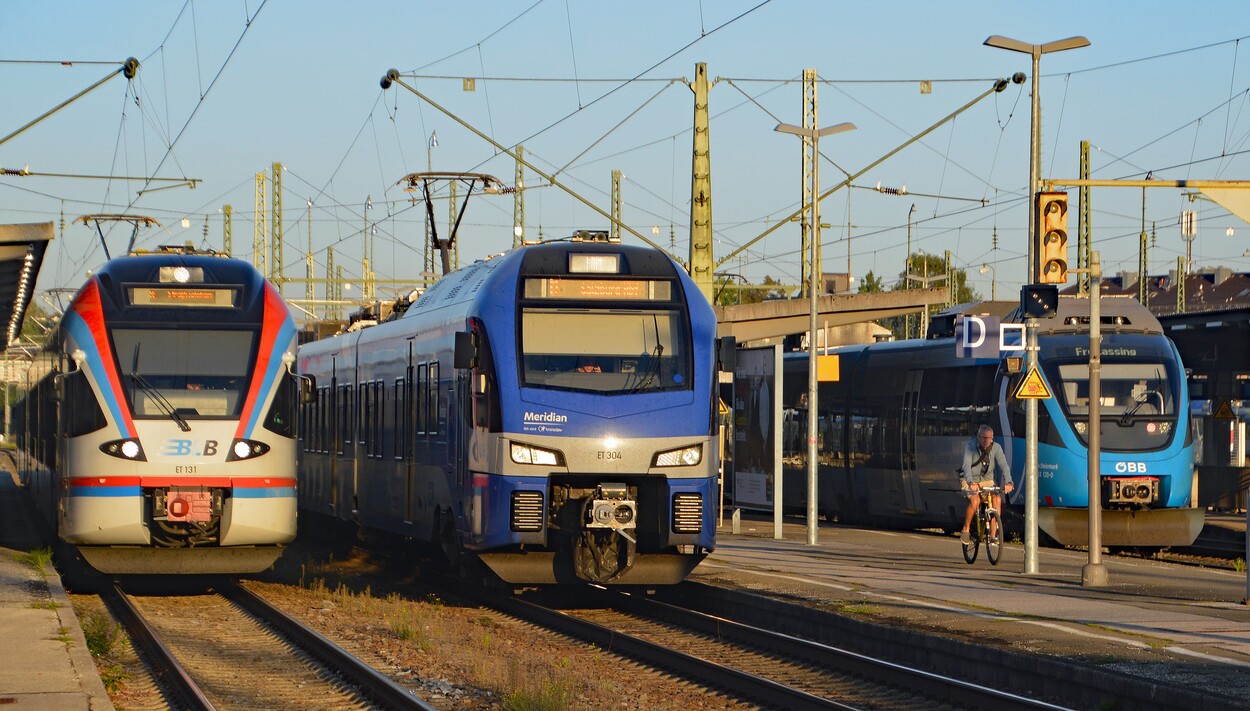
980, 529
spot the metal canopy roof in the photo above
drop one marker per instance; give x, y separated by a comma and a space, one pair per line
21, 255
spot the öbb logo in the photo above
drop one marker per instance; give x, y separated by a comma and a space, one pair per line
1130, 467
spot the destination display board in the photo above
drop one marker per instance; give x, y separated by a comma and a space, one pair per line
196, 296
598, 289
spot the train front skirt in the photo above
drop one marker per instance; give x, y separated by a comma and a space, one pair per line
1155, 528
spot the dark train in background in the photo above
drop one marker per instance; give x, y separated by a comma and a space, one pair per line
550, 412
157, 432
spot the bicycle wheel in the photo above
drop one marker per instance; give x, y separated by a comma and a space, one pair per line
971, 548
993, 546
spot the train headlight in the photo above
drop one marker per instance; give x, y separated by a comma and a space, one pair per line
246, 449
124, 449
529, 454
682, 457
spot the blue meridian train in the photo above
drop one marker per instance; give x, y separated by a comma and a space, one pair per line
550, 411
892, 429
157, 434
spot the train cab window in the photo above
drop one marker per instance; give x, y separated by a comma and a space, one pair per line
197, 373
605, 350
80, 410
281, 416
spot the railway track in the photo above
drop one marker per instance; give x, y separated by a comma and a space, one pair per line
756, 665
231, 650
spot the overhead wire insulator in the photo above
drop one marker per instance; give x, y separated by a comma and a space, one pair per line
891, 191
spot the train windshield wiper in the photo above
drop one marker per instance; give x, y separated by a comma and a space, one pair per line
653, 366
150, 391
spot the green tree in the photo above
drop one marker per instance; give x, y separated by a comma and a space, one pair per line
923, 266
872, 284
733, 289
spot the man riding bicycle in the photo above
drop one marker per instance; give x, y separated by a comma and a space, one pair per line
982, 456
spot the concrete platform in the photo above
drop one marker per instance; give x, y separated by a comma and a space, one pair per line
44, 662
1153, 618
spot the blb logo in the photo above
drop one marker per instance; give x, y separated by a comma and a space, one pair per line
187, 448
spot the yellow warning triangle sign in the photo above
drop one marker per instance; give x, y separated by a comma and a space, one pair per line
1032, 387
1224, 412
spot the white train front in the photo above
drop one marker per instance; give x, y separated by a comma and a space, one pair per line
158, 432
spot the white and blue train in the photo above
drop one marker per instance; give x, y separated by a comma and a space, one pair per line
157, 435
893, 427
550, 412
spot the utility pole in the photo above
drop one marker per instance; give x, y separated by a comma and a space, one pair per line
1030, 324
814, 134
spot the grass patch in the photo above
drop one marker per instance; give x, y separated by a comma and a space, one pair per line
1239, 565
101, 633
40, 559
45, 605
549, 696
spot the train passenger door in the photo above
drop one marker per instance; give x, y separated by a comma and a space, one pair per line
909, 479
461, 425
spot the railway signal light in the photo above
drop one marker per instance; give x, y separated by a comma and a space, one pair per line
1052, 237
1039, 300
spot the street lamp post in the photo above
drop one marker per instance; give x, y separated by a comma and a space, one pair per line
814, 134
1030, 324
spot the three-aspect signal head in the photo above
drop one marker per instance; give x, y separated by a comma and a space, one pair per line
1052, 237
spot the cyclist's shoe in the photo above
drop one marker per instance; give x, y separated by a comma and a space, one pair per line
965, 538
992, 539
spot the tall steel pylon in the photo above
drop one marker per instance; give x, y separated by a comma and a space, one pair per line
518, 199
227, 229
809, 165
1084, 230
275, 254
616, 206
702, 261
260, 241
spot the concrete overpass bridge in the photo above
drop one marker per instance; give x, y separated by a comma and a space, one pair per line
837, 312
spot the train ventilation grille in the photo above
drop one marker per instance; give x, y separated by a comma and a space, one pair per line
687, 513
527, 511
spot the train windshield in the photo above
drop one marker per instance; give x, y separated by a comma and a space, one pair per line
1138, 403
184, 374
605, 350
1133, 389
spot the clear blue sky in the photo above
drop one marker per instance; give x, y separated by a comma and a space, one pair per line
1162, 90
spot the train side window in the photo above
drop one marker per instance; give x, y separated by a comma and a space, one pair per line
432, 415
379, 419
399, 423
343, 422
422, 395
366, 420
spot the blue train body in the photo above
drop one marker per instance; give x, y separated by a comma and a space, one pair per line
893, 429
550, 412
